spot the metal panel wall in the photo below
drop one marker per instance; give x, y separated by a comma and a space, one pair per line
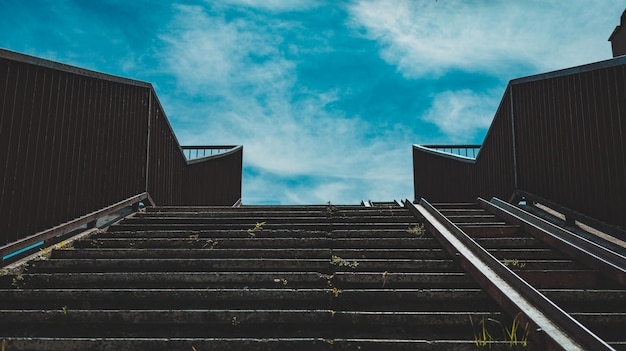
571, 147
448, 179
172, 181
560, 136
224, 174
68, 145
73, 141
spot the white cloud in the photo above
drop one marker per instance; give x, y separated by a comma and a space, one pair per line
461, 114
275, 5
504, 39
209, 54
246, 92
430, 38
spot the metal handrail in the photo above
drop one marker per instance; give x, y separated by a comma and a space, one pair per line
611, 263
193, 152
555, 135
466, 150
87, 219
514, 294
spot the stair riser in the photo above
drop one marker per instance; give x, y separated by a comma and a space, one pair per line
253, 253
238, 344
289, 280
242, 324
260, 242
265, 233
245, 226
234, 265
455, 300
252, 221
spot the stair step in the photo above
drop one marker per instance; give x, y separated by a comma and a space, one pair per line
462, 211
482, 219
271, 221
227, 318
245, 226
455, 205
263, 253
242, 264
265, 233
262, 242
506, 255
250, 344
274, 280
510, 243
442, 299
320, 277
572, 279
491, 231
580, 300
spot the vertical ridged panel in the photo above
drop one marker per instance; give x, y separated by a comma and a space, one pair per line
66, 145
568, 148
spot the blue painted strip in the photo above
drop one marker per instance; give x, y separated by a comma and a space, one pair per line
22, 250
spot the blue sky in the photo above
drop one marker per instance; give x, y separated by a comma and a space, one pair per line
326, 96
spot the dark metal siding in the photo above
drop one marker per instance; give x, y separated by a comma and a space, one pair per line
446, 179
171, 181
74, 141
562, 139
572, 151
66, 146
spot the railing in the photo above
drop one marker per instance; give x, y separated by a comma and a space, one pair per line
469, 151
172, 180
193, 152
560, 136
74, 141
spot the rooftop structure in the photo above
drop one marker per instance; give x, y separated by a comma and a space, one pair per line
618, 38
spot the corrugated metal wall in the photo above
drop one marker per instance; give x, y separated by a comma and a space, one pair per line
69, 145
172, 181
73, 141
559, 136
449, 179
571, 146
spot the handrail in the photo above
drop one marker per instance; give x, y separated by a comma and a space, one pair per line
611, 263
201, 151
515, 295
470, 151
443, 153
68, 226
557, 135
574, 216
62, 67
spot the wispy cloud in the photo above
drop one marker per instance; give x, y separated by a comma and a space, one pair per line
462, 114
275, 5
326, 97
210, 55
500, 39
248, 91
431, 38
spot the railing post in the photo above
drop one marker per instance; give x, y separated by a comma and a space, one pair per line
513, 137
147, 163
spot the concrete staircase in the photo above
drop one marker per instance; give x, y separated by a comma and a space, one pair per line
253, 278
